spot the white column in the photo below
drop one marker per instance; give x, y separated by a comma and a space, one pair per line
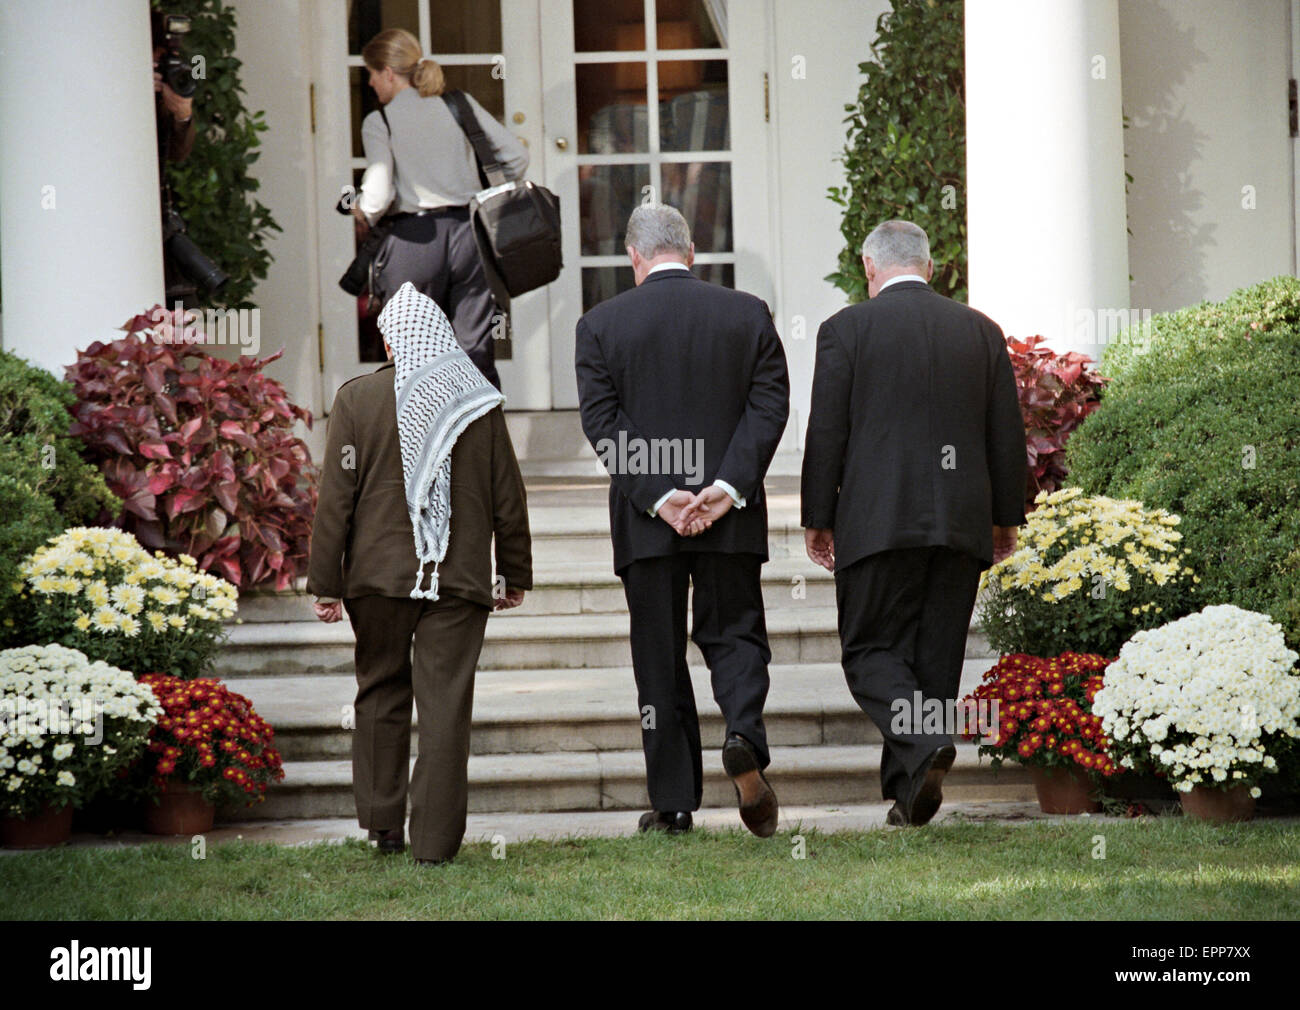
1045, 169
80, 231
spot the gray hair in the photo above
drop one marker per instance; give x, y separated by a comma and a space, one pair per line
656, 228
897, 243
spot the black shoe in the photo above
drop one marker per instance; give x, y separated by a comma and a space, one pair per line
757, 801
928, 796
677, 823
389, 842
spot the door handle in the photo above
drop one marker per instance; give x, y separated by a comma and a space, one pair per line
562, 143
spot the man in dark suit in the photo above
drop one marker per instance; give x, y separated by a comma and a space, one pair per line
364, 556
914, 467
684, 395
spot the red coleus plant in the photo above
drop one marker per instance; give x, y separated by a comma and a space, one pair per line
1039, 712
201, 450
1057, 391
208, 738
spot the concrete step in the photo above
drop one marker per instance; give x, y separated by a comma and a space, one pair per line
615, 780
576, 588
796, 635
555, 711
565, 535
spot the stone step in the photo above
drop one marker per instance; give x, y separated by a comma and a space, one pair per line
582, 532
552, 711
797, 635
615, 780
577, 588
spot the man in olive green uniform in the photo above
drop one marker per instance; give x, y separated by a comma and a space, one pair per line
419, 470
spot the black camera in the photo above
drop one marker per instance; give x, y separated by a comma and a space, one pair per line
191, 260
172, 66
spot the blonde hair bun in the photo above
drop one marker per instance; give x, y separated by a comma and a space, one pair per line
399, 49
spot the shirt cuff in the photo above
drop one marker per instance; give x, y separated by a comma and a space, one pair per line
327, 600
660, 503
732, 493
376, 191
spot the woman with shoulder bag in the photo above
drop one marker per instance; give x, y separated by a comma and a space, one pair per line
421, 167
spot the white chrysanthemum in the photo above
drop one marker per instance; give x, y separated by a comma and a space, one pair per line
166, 595
129, 599
105, 619
1217, 684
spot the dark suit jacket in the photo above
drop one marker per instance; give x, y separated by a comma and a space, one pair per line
362, 543
915, 436
679, 358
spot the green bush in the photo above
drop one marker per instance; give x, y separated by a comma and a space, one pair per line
905, 155
27, 519
45, 484
1201, 418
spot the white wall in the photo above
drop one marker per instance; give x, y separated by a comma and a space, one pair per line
833, 36
273, 42
1205, 88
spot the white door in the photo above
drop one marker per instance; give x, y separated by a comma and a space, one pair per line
676, 113
573, 80
488, 49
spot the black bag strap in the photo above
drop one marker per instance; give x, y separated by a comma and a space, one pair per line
489, 167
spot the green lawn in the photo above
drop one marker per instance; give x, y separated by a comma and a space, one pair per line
1154, 868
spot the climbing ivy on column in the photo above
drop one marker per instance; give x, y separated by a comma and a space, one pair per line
905, 155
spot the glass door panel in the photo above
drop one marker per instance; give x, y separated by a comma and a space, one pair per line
609, 150
691, 24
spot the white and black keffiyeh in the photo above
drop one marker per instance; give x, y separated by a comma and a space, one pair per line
440, 392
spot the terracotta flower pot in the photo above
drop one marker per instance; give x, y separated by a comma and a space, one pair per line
1219, 806
179, 811
1062, 792
40, 831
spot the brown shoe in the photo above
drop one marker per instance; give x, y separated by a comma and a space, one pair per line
759, 809
929, 796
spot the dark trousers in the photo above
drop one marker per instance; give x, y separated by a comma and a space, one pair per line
448, 637
731, 632
903, 619
436, 253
